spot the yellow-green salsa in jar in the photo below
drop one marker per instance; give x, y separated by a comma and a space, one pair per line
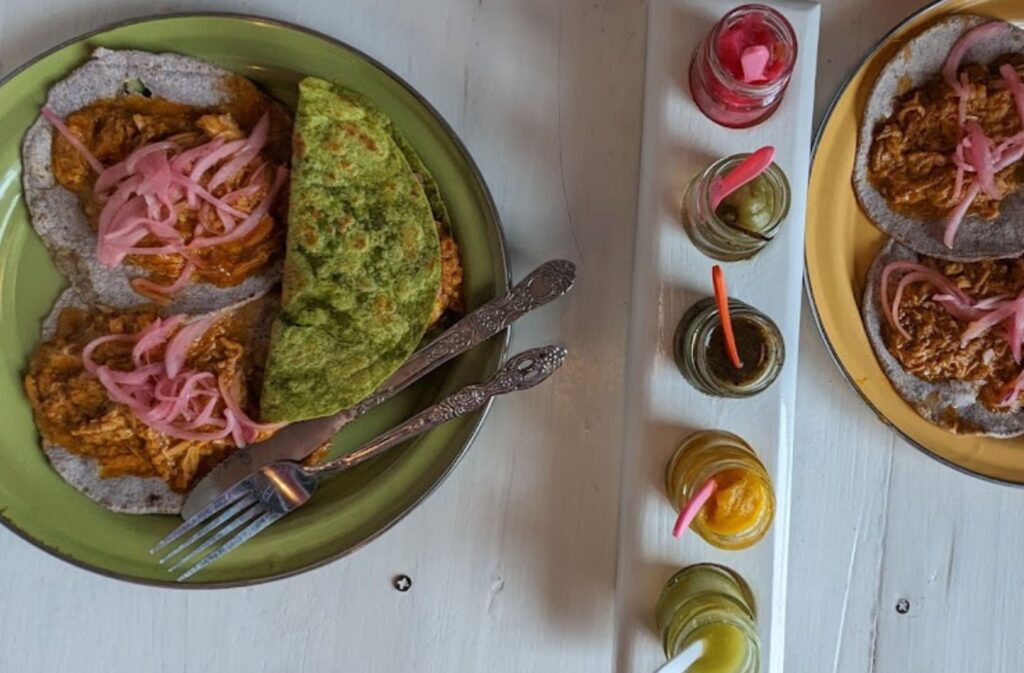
711, 604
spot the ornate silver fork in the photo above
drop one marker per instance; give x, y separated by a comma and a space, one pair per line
282, 487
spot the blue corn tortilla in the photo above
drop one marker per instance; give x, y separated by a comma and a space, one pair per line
951, 405
919, 60
56, 213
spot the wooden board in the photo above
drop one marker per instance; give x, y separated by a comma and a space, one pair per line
670, 274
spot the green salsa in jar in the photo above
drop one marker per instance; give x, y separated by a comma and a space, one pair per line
711, 604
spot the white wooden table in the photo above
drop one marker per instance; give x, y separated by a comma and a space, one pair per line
513, 559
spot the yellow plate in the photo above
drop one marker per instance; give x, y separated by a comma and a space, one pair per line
841, 243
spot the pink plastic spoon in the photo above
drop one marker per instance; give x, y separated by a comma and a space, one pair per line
690, 509
747, 170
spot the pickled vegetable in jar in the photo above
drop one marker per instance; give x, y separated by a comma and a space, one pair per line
745, 221
751, 207
740, 71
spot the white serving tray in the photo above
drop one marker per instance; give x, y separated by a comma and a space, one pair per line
670, 274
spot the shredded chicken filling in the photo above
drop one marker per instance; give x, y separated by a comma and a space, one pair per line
934, 352
72, 408
112, 129
910, 161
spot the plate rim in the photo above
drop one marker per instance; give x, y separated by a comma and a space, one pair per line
505, 337
934, 5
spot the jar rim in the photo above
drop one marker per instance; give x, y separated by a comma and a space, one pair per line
746, 594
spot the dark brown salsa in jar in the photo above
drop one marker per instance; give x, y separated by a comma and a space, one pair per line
701, 355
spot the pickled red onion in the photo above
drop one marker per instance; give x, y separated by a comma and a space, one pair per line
962, 94
143, 196
919, 272
206, 415
251, 221
165, 395
967, 310
961, 168
183, 162
909, 278
981, 315
754, 61
1013, 391
153, 336
231, 397
159, 292
62, 128
177, 347
983, 324
1011, 151
973, 36
253, 144
227, 150
90, 348
1014, 86
979, 153
1015, 333
956, 216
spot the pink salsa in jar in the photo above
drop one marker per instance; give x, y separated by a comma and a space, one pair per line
740, 71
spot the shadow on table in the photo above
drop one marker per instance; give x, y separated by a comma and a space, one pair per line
644, 575
573, 147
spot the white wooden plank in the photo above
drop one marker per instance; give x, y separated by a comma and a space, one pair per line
954, 559
874, 520
841, 470
513, 559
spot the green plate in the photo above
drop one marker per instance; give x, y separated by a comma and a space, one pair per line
349, 510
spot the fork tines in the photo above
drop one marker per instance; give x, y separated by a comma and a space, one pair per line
234, 509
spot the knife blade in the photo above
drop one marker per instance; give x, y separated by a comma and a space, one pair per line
296, 441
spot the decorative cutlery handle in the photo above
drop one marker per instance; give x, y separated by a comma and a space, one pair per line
545, 283
523, 371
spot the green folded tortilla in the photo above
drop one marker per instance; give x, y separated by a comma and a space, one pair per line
362, 262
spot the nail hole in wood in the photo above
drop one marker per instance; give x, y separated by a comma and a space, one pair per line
402, 583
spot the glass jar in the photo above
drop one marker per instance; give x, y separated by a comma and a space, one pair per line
727, 458
701, 356
711, 603
728, 100
730, 241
